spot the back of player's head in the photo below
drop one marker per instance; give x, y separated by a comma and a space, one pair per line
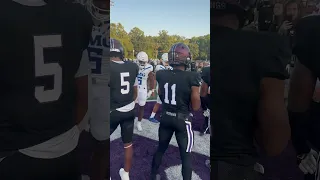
243, 9
116, 48
179, 55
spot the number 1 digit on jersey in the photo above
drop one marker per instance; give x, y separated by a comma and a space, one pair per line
173, 94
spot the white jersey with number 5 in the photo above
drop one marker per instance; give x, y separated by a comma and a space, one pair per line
98, 55
143, 76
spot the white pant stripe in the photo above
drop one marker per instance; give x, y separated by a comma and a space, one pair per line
190, 136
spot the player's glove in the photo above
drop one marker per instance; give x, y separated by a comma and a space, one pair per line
150, 93
308, 162
206, 113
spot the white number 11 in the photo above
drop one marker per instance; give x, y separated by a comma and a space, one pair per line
166, 94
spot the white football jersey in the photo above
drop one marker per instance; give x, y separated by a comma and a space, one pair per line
98, 51
143, 75
159, 67
169, 68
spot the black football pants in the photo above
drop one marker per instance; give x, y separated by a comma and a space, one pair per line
126, 122
181, 126
22, 167
221, 170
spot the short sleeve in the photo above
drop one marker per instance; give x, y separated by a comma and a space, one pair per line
205, 75
273, 62
195, 79
83, 69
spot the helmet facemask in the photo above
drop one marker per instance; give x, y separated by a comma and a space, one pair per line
100, 13
142, 64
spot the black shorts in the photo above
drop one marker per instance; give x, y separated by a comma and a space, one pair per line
19, 166
126, 122
221, 170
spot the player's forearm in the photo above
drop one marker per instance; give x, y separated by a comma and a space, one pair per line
81, 98
274, 129
152, 82
135, 92
81, 109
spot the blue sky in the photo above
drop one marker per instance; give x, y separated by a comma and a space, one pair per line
183, 17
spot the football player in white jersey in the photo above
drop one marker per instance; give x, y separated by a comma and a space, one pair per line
145, 80
165, 63
165, 66
98, 51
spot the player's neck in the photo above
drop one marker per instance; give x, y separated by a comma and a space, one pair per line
116, 59
181, 68
229, 21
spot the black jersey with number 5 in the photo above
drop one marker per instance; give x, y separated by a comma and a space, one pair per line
122, 79
175, 89
41, 49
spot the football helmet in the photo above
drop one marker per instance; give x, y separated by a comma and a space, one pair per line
143, 59
116, 49
179, 54
164, 57
99, 9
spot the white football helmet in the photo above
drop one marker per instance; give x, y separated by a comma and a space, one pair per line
143, 59
164, 57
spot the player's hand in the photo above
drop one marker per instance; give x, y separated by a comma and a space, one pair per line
285, 26
149, 94
308, 164
206, 113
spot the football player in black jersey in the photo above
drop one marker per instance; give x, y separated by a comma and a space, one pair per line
205, 101
303, 112
205, 75
247, 88
44, 69
123, 92
177, 90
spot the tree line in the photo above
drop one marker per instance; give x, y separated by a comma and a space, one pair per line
136, 41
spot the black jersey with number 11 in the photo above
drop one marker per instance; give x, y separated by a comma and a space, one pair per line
175, 89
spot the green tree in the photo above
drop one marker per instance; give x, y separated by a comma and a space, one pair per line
155, 46
138, 39
118, 32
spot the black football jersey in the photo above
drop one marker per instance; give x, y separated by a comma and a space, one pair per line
122, 78
205, 75
307, 43
175, 89
240, 60
41, 49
